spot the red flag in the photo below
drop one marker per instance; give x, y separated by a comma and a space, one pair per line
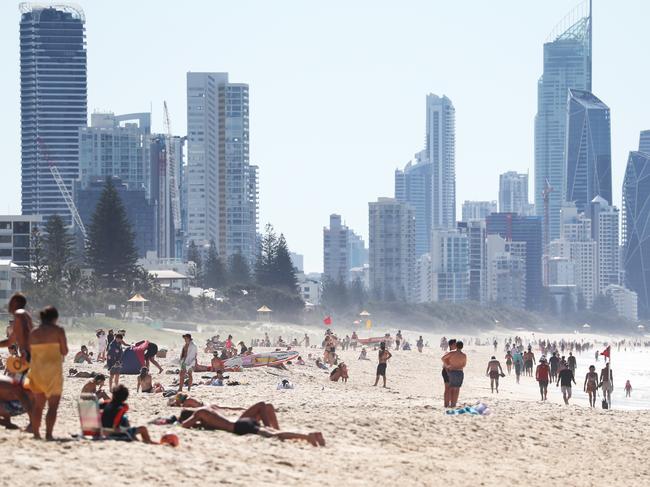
606, 351
327, 320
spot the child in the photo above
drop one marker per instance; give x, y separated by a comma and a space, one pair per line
114, 417
94, 386
628, 389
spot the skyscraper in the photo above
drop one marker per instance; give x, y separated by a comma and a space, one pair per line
342, 250
414, 185
450, 265
222, 201
477, 210
392, 250
513, 193
604, 230
644, 141
636, 231
116, 145
441, 152
476, 234
567, 64
53, 103
588, 150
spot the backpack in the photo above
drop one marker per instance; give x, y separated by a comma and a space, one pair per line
604, 404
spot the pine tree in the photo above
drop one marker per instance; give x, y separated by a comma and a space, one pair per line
193, 255
238, 270
265, 266
215, 270
285, 272
111, 250
58, 248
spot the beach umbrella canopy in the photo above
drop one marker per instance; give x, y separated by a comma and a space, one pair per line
364, 313
586, 325
640, 327
264, 309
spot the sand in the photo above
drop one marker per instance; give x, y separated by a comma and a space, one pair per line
373, 435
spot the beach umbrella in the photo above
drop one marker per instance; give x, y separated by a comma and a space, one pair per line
586, 325
640, 327
364, 313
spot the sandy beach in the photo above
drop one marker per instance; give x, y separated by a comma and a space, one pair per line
373, 434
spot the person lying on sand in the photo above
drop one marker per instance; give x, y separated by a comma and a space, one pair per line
94, 386
114, 416
81, 374
82, 356
14, 400
184, 400
340, 372
248, 423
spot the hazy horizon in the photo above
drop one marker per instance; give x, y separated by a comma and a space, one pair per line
337, 90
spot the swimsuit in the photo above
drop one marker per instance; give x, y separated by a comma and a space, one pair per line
456, 378
381, 369
246, 426
445, 376
46, 370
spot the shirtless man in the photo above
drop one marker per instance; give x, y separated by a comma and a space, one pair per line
529, 361
82, 356
94, 386
248, 423
145, 382
493, 371
21, 326
591, 385
384, 356
451, 344
607, 381
455, 362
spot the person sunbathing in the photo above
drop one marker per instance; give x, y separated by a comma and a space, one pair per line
82, 356
114, 417
94, 386
81, 374
340, 372
184, 400
248, 423
146, 384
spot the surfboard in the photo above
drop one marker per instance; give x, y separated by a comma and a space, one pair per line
261, 359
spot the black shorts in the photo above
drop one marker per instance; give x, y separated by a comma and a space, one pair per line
543, 384
381, 369
445, 376
151, 351
246, 426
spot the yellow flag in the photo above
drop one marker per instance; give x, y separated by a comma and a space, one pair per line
368, 324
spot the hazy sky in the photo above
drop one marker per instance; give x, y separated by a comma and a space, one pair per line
337, 88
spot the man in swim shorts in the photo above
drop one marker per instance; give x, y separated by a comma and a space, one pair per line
565, 377
451, 344
384, 355
188, 362
455, 362
543, 375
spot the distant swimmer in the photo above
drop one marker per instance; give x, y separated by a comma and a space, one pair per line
565, 377
455, 362
451, 345
543, 375
384, 356
591, 385
494, 371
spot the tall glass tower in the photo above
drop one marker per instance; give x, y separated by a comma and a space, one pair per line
588, 150
53, 103
567, 64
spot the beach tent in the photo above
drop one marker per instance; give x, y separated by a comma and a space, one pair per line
133, 358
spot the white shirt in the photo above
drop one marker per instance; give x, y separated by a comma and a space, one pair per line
190, 356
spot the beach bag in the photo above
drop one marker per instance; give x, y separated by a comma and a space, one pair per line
604, 404
17, 365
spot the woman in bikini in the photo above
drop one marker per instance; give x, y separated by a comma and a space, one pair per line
508, 361
259, 419
591, 385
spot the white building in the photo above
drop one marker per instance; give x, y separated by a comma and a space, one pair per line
478, 210
423, 291
604, 231
171, 281
15, 237
11, 280
625, 301
513, 194
310, 287
506, 272
561, 271
450, 265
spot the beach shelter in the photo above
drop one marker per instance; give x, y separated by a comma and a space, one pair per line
264, 313
133, 358
137, 300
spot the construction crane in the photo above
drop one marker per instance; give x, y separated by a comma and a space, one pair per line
67, 197
171, 171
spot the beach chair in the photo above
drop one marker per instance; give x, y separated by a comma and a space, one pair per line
90, 418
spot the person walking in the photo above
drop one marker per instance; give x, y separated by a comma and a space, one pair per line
565, 377
543, 375
188, 362
494, 371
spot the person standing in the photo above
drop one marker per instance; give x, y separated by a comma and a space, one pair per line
188, 362
455, 362
543, 375
451, 345
48, 346
420, 344
101, 345
554, 362
607, 381
628, 389
384, 356
518, 361
398, 339
494, 371
571, 362
509, 361
565, 377
591, 385
114, 361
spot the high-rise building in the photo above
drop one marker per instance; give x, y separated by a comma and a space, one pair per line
116, 146
644, 141
441, 152
604, 230
222, 185
414, 185
567, 64
450, 265
342, 250
392, 250
53, 103
588, 150
626, 301
513, 193
528, 229
636, 231
476, 234
506, 271
15, 237
423, 282
478, 210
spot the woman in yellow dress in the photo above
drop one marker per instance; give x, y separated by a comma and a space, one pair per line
48, 347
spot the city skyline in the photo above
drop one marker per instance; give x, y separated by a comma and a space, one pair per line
359, 139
